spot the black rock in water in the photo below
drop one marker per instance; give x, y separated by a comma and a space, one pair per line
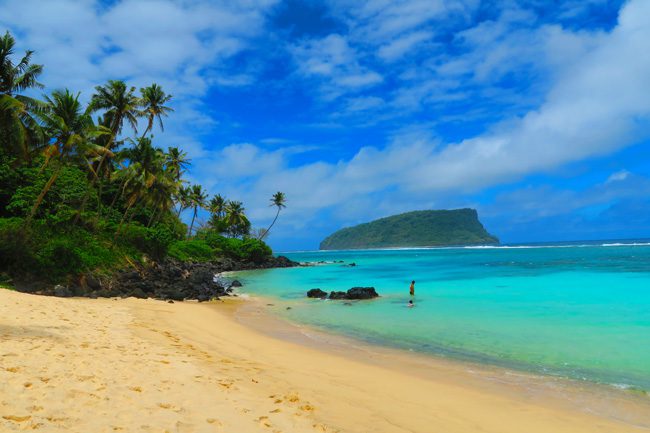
235, 283
317, 293
353, 293
362, 293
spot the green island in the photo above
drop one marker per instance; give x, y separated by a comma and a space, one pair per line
84, 188
425, 228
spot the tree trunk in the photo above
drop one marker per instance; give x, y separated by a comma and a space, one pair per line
192, 225
92, 184
119, 228
41, 196
153, 216
266, 232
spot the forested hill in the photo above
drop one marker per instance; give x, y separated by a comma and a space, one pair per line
414, 229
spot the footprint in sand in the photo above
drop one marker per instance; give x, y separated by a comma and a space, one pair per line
135, 388
213, 421
16, 418
264, 420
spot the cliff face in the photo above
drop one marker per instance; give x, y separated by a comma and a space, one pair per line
424, 228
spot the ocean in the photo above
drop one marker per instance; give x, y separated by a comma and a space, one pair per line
576, 310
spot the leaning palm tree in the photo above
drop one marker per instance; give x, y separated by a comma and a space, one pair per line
153, 102
70, 130
197, 197
279, 201
20, 130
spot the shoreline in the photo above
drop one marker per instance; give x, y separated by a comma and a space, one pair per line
560, 392
118, 365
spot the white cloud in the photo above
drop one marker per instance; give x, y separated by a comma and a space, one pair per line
398, 47
332, 60
618, 176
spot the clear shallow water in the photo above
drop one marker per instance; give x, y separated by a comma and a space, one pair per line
576, 311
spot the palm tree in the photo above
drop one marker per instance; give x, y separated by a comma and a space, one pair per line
144, 176
153, 101
20, 130
176, 162
217, 206
278, 200
197, 199
238, 223
182, 198
70, 130
120, 105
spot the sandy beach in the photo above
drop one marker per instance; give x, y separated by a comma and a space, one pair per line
82, 365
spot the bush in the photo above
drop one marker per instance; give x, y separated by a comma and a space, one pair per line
153, 241
250, 250
192, 250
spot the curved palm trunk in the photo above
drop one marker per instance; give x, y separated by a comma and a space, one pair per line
192, 225
41, 196
119, 228
266, 232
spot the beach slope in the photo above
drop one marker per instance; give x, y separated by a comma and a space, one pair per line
81, 365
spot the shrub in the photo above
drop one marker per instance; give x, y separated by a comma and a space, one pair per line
251, 250
191, 250
153, 241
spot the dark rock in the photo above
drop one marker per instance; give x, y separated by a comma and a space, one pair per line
170, 302
338, 295
62, 291
353, 293
317, 293
139, 293
235, 283
92, 283
362, 293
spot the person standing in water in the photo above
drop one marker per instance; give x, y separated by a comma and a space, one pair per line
412, 288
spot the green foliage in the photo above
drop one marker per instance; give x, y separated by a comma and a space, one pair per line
78, 196
247, 249
52, 254
414, 229
60, 204
153, 241
191, 251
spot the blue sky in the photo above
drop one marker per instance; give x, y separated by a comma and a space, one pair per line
535, 113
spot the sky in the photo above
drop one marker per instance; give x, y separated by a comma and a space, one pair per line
536, 113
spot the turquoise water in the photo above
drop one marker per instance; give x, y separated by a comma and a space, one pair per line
575, 311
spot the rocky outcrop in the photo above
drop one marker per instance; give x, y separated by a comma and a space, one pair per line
317, 293
167, 280
353, 293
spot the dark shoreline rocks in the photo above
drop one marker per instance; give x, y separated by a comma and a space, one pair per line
317, 293
168, 280
353, 293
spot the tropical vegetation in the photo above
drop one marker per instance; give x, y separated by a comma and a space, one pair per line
85, 186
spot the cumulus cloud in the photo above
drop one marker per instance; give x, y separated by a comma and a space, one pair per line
592, 109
